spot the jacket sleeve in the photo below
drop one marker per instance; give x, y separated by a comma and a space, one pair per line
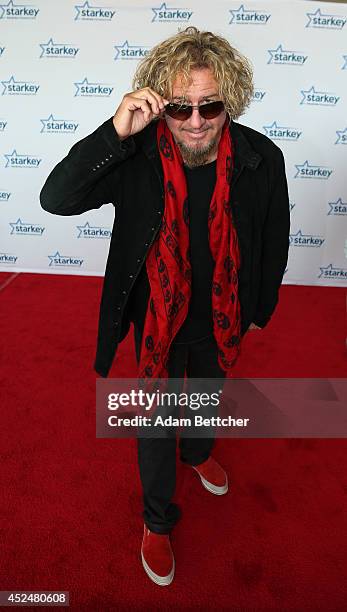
275, 245
81, 181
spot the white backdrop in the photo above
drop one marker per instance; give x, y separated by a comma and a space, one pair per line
64, 68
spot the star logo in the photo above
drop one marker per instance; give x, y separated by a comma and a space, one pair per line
93, 231
78, 85
53, 257
87, 11
44, 46
313, 172
277, 132
251, 17
298, 234
45, 121
306, 92
300, 166
341, 136
9, 156
325, 20
273, 51
16, 224
25, 161
26, 229
332, 271
335, 206
131, 51
165, 13
18, 11
322, 98
28, 87
296, 58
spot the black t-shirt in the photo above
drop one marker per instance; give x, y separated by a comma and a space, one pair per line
198, 323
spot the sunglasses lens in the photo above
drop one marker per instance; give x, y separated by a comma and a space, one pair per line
211, 110
177, 111
182, 112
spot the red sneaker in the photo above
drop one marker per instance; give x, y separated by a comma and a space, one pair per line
212, 476
157, 557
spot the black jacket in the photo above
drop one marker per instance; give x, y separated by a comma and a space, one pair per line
100, 169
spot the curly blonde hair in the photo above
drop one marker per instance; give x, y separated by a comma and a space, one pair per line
193, 49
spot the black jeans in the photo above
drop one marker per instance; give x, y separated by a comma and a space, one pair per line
157, 456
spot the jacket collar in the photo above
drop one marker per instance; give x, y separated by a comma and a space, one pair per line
244, 152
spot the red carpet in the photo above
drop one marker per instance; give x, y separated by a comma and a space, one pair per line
71, 504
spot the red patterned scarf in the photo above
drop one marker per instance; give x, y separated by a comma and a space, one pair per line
168, 264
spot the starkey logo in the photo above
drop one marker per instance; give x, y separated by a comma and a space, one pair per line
325, 20
309, 171
8, 258
307, 240
242, 16
130, 52
18, 11
258, 95
89, 12
64, 261
331, 272
19, 88
58, 126
320, 98
52, 49
26, 229
285, 56
277, 132
341, 136
18, 160
89, 89
337, 208
166, 14
93, 231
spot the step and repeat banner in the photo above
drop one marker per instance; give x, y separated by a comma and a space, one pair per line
64, 67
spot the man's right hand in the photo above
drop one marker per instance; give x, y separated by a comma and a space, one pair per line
137, 110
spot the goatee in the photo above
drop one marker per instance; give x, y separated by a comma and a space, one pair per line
197, 156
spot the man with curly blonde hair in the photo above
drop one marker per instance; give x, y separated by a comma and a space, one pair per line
199, 244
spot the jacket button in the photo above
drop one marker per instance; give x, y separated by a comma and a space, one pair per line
138, 261
116, 323
118, 307
110, 154
124, 292
131, 276
153, 228
159, 212
147, 243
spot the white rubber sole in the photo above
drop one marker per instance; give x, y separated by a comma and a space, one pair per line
211, 487
161, 580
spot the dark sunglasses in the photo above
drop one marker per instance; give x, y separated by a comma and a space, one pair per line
184, 111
